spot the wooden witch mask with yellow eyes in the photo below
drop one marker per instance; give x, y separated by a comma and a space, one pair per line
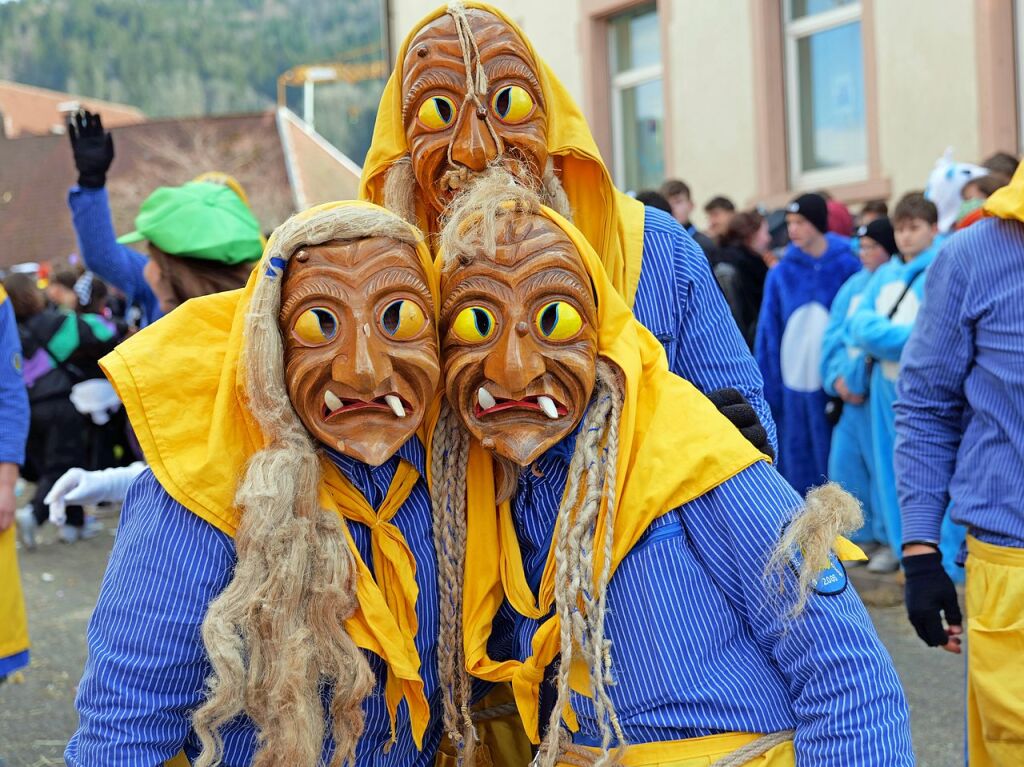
360, 345
519, 339
472, 97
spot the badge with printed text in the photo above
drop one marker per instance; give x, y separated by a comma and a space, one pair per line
831, 581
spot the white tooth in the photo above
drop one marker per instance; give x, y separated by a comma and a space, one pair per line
396, 405
332, 401
485, 399
548, 406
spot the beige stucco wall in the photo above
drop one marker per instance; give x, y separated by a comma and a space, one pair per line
550, 24
711, 136
927, 87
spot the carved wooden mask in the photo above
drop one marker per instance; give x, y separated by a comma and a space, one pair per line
360, 346
519, 340
452, 133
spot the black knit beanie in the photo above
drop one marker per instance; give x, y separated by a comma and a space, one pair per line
880, 230
812, 207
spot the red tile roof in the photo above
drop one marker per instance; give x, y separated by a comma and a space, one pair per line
28, 110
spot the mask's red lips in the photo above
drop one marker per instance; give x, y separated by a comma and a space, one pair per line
334, 406
535, 403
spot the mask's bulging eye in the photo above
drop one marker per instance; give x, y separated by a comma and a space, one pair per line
559, 321
474, 324
512, 104
437, 112
402, 319
316, 326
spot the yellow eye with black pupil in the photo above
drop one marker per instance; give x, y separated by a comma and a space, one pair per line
559, 321
316, 326
474, 324
512, 104
437, 112
402, 319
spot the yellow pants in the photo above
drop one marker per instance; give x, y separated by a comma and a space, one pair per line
14, 631
702, 752
995, 655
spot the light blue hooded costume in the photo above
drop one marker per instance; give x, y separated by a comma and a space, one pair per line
797, 296
870, 329
851, 460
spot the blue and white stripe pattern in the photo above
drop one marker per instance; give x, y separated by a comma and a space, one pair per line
959, 407
698, 645
680, 302
147, 664
115, 264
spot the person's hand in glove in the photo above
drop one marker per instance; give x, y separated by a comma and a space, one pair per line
930, 594
742, 415
77, 487
92, 147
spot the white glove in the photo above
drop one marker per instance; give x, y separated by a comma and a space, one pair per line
78, 487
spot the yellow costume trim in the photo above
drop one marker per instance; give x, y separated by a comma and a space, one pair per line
1008, 202
674, 446
187, 404
700, 752
14, 637
610, 220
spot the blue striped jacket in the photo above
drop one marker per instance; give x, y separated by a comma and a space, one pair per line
147, 664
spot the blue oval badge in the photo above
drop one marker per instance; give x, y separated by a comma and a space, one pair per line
831, 581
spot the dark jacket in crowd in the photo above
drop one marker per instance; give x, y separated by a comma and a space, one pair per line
60, 349
741, 272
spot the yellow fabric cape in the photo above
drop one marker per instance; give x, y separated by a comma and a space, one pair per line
674, 446
182, 383
611, 221
1008, 202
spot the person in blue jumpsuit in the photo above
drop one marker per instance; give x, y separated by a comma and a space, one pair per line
794, 313
844, 375
881, 326
14, 423
182, 546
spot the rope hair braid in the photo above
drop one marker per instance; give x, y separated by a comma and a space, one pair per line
829, 511
276, 635
579, 601
450, 456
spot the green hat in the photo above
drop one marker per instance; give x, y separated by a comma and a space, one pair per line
199, 220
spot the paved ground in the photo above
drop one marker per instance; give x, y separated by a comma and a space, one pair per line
61, 583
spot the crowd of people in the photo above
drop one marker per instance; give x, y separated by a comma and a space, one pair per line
826, 301
498, 465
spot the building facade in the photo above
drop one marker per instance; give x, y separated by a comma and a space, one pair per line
762, 99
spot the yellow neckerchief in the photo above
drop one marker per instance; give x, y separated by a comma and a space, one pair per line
611, 221
1008, 202
395, 583
674, 446
183, 386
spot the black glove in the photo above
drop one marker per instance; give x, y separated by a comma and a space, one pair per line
93, 149
930, 593
742, 415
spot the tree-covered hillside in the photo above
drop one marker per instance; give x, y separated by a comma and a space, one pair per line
189, 57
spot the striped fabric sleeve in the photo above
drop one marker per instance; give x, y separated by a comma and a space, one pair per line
931, 400
14, 412
710, 350
147, 665
846, 697
114, 263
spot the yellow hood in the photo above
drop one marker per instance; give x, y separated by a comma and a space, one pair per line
182, 382
674, 446
1008, 202
611, 221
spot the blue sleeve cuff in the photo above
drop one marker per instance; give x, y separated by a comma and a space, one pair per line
922, 523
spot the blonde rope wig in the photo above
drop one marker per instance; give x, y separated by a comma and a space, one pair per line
276, 636
472, 232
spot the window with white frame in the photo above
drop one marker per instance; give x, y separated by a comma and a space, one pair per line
825, 92
637, 100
